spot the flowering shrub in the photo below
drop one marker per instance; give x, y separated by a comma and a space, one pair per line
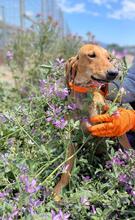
34, 137
42, 42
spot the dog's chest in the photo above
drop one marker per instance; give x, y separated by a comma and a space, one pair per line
88, 104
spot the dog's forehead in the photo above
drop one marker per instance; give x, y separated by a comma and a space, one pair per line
89, 48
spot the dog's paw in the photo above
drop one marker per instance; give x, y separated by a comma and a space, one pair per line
57, 198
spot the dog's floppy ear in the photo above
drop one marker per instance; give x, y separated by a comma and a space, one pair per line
71, 68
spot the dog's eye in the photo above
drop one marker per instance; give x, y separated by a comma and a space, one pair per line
109, 58
92, 55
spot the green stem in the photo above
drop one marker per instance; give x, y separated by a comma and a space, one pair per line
20, 128
57, 168
44, 167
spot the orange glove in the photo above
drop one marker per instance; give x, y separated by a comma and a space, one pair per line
115, 125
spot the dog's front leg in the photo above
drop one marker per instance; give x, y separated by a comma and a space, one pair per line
64, 180
97, 106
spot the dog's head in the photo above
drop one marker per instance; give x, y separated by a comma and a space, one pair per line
92, 63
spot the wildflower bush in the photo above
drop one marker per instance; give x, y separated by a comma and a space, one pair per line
34, 137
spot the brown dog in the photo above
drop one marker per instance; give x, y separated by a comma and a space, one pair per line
90, 70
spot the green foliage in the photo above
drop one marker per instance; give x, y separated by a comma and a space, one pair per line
34, 136
42, 42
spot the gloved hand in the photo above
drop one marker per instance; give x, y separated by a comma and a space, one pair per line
113, 126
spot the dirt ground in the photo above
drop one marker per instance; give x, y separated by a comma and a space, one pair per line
6, 75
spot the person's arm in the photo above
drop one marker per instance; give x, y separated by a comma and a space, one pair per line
128, 85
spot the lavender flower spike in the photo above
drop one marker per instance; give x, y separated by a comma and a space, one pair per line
9, 55
60, 215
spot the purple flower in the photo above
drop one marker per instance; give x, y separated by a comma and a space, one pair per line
33, 204
30, 98
30, 187
60, 123
86, 178
120, 54
128, 188
11, 141
123, 178
117, 161
62, 93
132, 193
3, 118
93, 209
3, 195
56, 110
4, 158
42, 85
24, 179
123, 155
15, 213
60, 215
49, 119
31, 210
46, 89
84, 201
108, 164
53, 116
23, 168
53, 112
60, 61
72, 106
9, 55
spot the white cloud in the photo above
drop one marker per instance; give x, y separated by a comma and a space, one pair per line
103, 2
106, 3
99, 2
127, 10
66, 6
76, 8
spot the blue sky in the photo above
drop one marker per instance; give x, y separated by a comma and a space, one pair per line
111, 21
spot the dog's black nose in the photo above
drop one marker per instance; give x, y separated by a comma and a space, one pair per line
111, 74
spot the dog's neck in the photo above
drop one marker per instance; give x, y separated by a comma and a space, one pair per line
81, 100
91, 87
84, 100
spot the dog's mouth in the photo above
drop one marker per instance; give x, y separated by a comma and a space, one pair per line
100, 80
94, 82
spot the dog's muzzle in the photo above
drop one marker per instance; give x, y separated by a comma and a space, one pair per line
111, 75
